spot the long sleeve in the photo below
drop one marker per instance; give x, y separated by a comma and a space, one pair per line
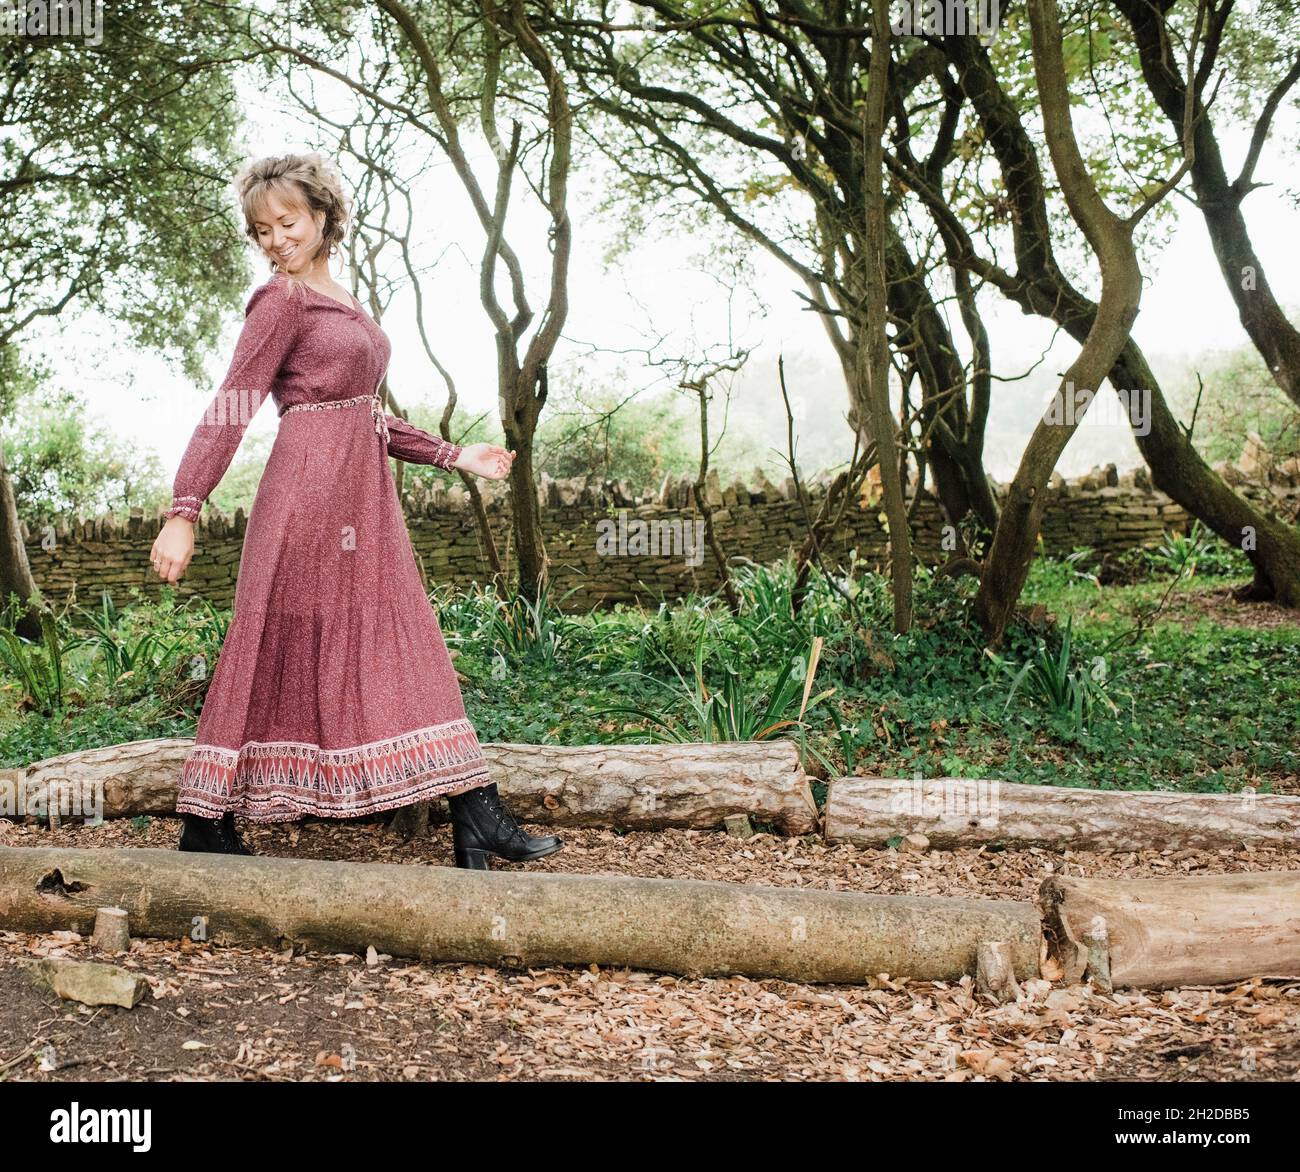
416, 446
271, 325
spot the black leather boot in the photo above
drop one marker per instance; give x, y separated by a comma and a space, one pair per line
481, 825
232, 836
215, 836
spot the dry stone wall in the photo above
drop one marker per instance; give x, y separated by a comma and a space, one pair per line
608, 544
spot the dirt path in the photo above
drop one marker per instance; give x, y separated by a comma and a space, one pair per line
223, 1013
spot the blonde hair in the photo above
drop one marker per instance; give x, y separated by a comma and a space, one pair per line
304, 181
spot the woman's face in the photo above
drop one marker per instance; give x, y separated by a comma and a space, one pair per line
290, 234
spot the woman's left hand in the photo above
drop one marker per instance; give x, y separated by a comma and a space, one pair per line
490, 461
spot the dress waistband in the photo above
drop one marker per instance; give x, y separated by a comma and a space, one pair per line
376, 409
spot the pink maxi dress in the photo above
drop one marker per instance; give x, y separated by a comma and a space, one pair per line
333, 694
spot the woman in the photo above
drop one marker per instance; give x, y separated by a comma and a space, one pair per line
334, 694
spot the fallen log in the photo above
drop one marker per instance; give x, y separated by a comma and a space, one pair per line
444, 914
633, 787
1158, 933
954, 812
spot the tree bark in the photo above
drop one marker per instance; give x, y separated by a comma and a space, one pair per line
517, 918
525, 512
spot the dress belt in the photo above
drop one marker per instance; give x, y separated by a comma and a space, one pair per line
376, 409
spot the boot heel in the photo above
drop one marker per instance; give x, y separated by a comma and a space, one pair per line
472, 858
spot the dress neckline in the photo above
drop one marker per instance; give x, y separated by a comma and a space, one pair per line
355, 307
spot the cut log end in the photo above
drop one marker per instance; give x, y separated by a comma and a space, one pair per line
111, 933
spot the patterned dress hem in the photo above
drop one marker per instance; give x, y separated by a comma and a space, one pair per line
281, 781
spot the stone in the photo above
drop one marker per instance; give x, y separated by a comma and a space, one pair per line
763, 489
1230, 473
738, 826
89, 982
713, 489
1255, 461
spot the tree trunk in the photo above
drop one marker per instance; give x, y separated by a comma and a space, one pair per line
873, 359
1111, 240
15, 572
1160, 933
1177, 469
957, 812
525, 516
1271, 545
521, 380
518, 918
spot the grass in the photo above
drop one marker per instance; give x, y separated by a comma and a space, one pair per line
1174, 703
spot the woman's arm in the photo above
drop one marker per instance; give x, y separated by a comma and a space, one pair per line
416, 446
272, 319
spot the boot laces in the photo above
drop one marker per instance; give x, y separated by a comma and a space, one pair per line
501, 814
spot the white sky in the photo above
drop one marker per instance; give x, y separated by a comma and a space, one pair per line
1185, 309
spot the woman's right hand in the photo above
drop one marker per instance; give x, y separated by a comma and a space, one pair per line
173, 548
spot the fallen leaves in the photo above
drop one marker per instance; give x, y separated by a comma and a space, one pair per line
989, 1063
272, 1015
